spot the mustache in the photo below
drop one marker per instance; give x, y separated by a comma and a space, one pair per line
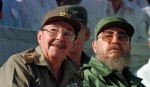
114, 47
58, 44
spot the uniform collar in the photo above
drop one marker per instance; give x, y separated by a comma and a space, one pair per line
105, 71
40, 59
67, 65
97, 66
34, 56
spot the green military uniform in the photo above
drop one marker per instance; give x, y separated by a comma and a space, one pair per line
29, 69
97, 74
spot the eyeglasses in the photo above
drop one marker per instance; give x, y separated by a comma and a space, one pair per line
67, 34
108, 36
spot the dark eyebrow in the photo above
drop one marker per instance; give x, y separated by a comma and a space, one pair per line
69, 29
108, 31
124, 33
120, 32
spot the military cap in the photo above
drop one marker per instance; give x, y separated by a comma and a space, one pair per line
80, 12
62, 13
113, 22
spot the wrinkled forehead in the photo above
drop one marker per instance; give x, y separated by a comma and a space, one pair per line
59, 25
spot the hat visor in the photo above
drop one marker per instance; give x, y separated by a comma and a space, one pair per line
123, 25
72, 22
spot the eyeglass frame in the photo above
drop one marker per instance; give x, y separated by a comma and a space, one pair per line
104, 38
54, 34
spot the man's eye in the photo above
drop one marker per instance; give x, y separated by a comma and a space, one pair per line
108, 35
67, 34
54, 30
122, 36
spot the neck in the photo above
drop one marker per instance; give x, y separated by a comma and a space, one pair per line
76, 57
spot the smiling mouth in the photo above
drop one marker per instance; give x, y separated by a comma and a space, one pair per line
58, 44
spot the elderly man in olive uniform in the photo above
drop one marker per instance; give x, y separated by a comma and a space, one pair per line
109, 67
46, 65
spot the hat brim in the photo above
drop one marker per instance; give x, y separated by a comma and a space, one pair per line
124, 25
72, 22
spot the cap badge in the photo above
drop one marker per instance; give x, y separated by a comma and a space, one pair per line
65, 14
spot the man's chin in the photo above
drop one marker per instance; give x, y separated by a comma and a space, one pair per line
116, 62
114, 55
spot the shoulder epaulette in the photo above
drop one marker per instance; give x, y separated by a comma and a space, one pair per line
29, 58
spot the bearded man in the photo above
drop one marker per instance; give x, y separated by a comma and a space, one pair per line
112, 45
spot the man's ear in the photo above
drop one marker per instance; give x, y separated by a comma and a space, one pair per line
94, 46
87, 34
39, 34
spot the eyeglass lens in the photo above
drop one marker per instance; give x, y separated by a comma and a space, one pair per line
109, 35
67, 34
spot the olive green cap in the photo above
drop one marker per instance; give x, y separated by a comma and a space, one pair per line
113, 22
62, 13
80, 12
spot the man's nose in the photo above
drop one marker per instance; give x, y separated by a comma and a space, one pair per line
60, 36
115, 39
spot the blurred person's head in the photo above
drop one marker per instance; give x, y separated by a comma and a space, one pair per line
112, 42
83, 35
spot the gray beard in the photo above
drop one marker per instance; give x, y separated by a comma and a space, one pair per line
117, 63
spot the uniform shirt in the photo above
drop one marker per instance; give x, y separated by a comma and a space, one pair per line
97, 74
144, 73
29, 69
98, 9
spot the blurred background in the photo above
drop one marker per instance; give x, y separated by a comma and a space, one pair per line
20, 20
